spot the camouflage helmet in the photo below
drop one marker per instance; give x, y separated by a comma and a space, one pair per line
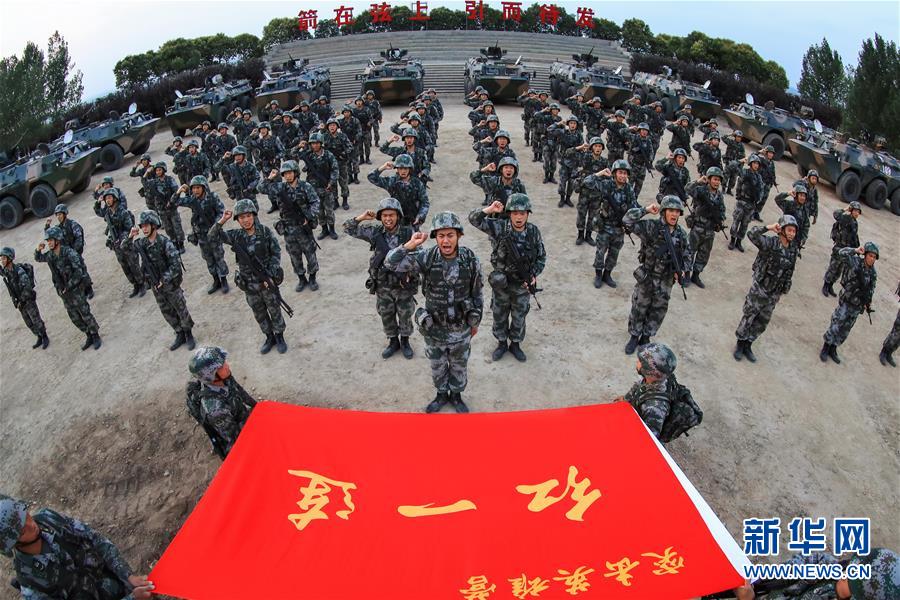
643, 125
247, 112
509, 160
239, 150
518, 202
222, 126
61, 208
107, 179
316, 138
289, 165
304, 103
554, 106
160, 165
424, 106
714, 172
800, 188
403, 161
714, 135
572, 118
657, 359
273, 101
684, 118
194, 143
855, 206
389, 204
884, 582
206, 361
111, 192
149, 217
347, 108
753, 158
769, 148
177, 139
264, 125
145, 156
12, 519
501, 133
680, 152
410, 132
480, 89
870, 247
671, 202
207, 123
596, 100
492, 119
372, 92
621, 164
331, 120
323, 98
687, 107
199, 180
787, 220
812, 173
596, 140
738, 133
619, 113
8, 252
53, 233
445, 220
244, 206
543, 93
414, 116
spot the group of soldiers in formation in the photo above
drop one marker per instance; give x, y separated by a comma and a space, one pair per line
265, 157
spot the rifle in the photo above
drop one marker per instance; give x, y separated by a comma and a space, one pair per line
305, 225
523, 269
869, 312
672, 174
619, 222
673, 254
155, 277
244, 256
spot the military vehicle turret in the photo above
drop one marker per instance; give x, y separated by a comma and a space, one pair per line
117, 136
586, 77
393, 77
673, 93
36, 181
210, 103
504, 79
296, 81
767, 125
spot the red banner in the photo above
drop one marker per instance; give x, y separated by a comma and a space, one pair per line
324, 504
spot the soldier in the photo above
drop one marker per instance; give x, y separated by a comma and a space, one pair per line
362, 114
322, 173
499, 187
588, 159
260, 244
289, 132
483, 131
73, 237
207, 136
307, 122
206, 209
337, 142
476, 98
119, 222
377, 117
659, 268
497, 150
299, 208
675, 174
161, 264
858, 285
686, 113
640, 155
423, 139
578, 107
19, 280
811, 182
794, 203
409, 190
244, 126
452, 286
436, 105
177, 151
55, 556
616, 198
563, 140
892, 340
708, 153
541, 120
634, 111
216, 400
772, 273
749, 190
844, 233
708, 217
139, 169
195, 162
352, 128
734, 156
651, 396
657, 121
615, 136
323, 109
267, 112
242, 177
515, 273
109, 184
159, 188
223, 142
482, 112
709, 128
394, 292
68, 279
267, 150
681, 134
530, 104
767, 172
429, 125
594, 117
421, 166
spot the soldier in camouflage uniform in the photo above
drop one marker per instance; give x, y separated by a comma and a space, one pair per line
844, 233
365, 115
421, 166
177, 151
68, 279
436, 105
588, 159
119, 222
299, 209
375, 109
686, 112
394, 292
541, 120
161, 264
675, 174
108, 184
222, 143
795, 203
640, 155
616, 138
339, 145
267, 151
159, 188
352, 128
650, 396
408, 190
206, 209
243, 126
564, 139
767, 172
207, 136
657, 121
772, 273
858, 285
195, 162
495, 150
681, 134
483, 131
892, 340
510, 279
307, 122
734, 156
750, 188
530, 104
634, 111
322, 173
709, 128
55, 556
482, 112
260, 242
322, 109
216, 400
73, 237
139, 169
594, 118
423, 139
708, 153
452, 286
242, 176
578, 107
616, 198
289, 133
811, 182
658, 270
708, 217
19, 280
499, 187
477, 97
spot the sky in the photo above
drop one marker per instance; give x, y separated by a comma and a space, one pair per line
100, 33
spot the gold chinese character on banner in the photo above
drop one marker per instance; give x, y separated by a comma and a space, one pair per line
430, 510
315, 498
478, 588
542, 498
576, 581
620, 570
667, 564
522, 587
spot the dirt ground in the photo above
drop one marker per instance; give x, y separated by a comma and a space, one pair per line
104, 435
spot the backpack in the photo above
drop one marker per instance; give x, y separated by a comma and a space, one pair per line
29, 269
684, 412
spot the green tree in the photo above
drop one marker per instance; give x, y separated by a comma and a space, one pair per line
636, 36
444, 18
63, 87
822, 75
326, 28
604, 29
280, 31
873, 101
135, 70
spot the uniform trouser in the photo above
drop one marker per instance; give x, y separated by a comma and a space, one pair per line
566, 181
527, 128
842, 320
510, 306
171, 222
587, 207
764, 197
366, 146
396, 308
655, 138
732, 174
266, 309
79, 310
32, 317
549, 156
638, 174
701, 240
449, 362
758, 307
615, 153
610, 240
429, 151
893, 338
740, 219
173, 307
537, 143
344, 178
326, 206
376, 138
649, 303
300, 245
88, 282
128, 260
357, 155
214, 255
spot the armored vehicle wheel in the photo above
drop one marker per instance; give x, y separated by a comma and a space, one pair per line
876, 194
848, 186
777, 142
801, 169
667, 109
111, 157
245, 102
138, 150
82, 185
11, 212
895, 202
42, 200
571, 91
651, 97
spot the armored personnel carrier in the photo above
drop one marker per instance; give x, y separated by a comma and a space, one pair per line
588, 78
210, 103
767, 125
673, 93
504, 79
296, 81
117, 136
393, 77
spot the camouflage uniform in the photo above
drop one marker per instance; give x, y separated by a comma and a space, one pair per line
412, 195
73, 237
242, 179
634, 112
858, 283
892, 341
594, 120
669, 169
492, 153
322, 109
119, 222
844, 233
222, 143
421, 166
299, 210
307, 122
749, 191
615, 201
767, 172
651, 399
375, 109
68, 274
206, 210
364, 115
657, 122
166, 262
20, 282
322, 173
98, 195
195, 163
708, 156
243, 127
539, 124
681, 137
616, 138
340, 146
812, 196
884, 584
495, 188
563, 139
734, 153
178, 154
798, 210
529, 107
267, 151
423, 138
159, 192
708, 218
289, 135
640, 158
352, 128
588, 163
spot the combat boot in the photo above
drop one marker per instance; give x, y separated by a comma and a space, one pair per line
324, 233
598, 278
405, 347
189, 339
569, 200
267, 345
96, 341
224, 283
748, 351
632, 344
756, 217
88, 342
832, 353
280, 344
516, 351
331, 232
45, 341
686, 282
500, 350
645, 339
301, 284
608, 280
40, 339
823, 353
179, 341
345, 205
738, 350
885, 356
137, 289
216, 284
562, 200
580, 239
458, 405
392, 347
737, 245
588, 239
438, 403
695, 279
731, 243
313, 284
828, 289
